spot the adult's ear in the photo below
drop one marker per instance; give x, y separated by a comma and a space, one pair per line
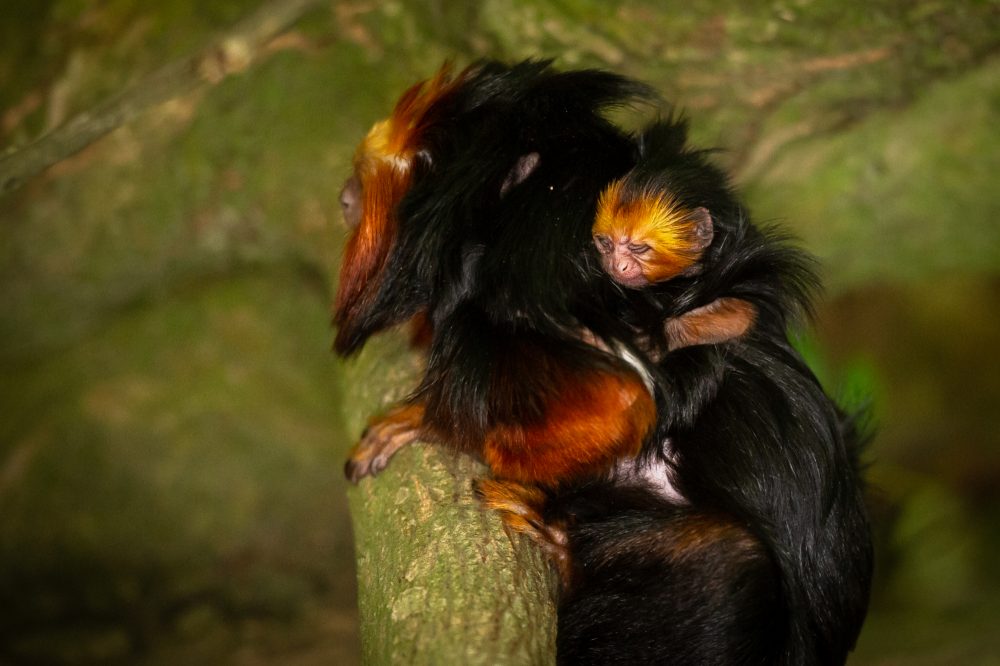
523, 168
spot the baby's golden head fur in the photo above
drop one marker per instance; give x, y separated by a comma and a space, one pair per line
645, 235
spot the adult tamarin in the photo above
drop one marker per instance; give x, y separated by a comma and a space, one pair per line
445, 232
703, 501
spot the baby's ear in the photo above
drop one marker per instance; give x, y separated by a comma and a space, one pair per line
704, 230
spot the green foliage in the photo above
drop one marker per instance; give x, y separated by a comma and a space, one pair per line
853, 384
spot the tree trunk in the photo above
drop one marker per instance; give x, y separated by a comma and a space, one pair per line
440, 581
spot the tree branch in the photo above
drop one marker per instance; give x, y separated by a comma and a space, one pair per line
232, 52
439, 579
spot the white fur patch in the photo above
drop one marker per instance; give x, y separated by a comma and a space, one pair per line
626, 355
655, 475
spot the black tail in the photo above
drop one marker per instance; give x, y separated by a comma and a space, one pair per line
657, 583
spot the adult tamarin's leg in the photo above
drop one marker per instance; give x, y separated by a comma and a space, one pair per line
674, 586
648, 581
522, 508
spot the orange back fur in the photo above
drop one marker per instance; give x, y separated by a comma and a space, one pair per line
587, 419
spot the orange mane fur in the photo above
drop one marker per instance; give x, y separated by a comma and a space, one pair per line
383, 164
397, 138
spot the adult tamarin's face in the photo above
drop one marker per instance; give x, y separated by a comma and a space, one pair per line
350, 202
644, 236
383, 166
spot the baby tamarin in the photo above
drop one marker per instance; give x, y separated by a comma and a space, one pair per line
646, 236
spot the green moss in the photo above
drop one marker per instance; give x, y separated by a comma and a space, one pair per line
187, 455
872, 201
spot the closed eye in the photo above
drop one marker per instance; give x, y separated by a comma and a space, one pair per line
639, 249
603, 243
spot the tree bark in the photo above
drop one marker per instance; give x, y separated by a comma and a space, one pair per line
440, 581
230, 53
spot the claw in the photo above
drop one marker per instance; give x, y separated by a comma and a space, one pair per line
354, 470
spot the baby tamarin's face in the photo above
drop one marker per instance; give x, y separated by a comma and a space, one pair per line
645, 236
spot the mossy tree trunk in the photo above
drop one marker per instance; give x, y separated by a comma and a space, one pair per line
440, 580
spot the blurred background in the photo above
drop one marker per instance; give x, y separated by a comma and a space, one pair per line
171, 417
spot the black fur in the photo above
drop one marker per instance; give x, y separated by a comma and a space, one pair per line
767, 451
751, 436
634, 601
